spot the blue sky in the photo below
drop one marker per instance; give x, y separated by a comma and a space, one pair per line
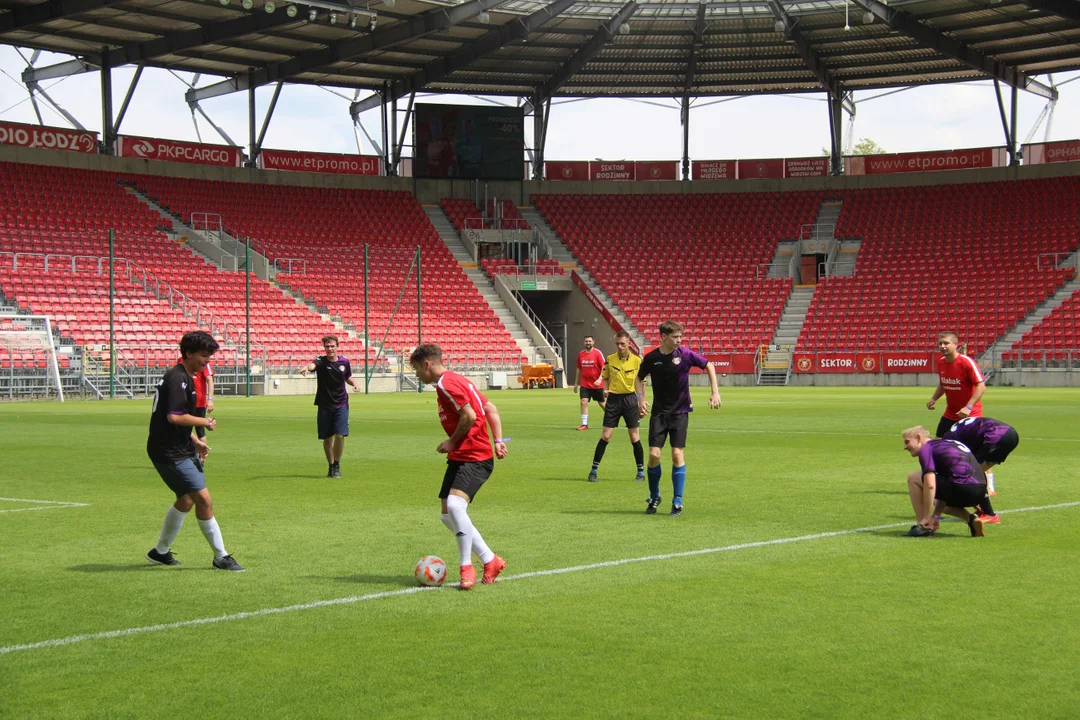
309, 118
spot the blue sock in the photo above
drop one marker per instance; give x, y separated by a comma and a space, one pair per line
654, 482
678, 482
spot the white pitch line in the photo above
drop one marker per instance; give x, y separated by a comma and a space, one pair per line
72, 639
47, 504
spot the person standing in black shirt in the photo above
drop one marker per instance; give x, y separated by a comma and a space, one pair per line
332, 371
178, 456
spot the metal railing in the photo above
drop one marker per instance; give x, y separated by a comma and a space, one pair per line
549, 338
207, 222
291, 266
1056, 260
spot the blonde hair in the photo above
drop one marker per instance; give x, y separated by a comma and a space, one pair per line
916, 431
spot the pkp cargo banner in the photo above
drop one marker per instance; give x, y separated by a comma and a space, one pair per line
926, 161
1052, 152
319, 162
621, 170
656, 170
615, 324
566, 169
49, 138
713, 169
177, 151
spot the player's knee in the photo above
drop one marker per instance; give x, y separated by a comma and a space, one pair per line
914, 478
654, 453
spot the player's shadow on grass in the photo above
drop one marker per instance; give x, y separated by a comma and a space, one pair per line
603, 512
402, 580
901, 491
291, 477
107, 567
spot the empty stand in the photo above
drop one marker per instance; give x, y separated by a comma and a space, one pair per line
693, 258
956, 257
327, 229
1055, 340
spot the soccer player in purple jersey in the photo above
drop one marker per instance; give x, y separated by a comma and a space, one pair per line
990, 441
949, 480
669, 365
332, 372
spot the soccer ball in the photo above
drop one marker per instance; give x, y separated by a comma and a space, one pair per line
430, 571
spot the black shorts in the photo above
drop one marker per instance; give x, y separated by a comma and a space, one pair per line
466, 477
623, 407
943, 426
596, 394
200, 431
960, 496
333, 421
663, 426
1000, 450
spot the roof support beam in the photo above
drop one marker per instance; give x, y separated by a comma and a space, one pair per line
807, 53
1065, 8
413, 27
24, 16
64, 69
951, 47
516, 29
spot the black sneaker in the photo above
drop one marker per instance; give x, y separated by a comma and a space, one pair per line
330, 470
975, 525
919, 531
165, 558
676, 510
336, 470
593, 477
228, 563
640, 477
654, 503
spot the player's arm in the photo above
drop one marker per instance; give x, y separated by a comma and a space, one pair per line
191, 421
976, 395
466, 419
495, 423
714, 400
577, 379
310, 367
938, 392
642, 403
209, 393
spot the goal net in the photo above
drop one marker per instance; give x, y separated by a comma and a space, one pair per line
28, 355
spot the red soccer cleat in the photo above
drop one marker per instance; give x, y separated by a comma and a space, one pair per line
583, 427
468, 577
492, 569
990, 519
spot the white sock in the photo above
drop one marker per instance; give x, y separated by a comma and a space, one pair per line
212, 533
449, 523
459, 513
480, 548
585, 419
174, 520
990, 482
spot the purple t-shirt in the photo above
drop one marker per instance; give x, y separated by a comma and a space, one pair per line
331, 393
951, 461
671, 378
978, 433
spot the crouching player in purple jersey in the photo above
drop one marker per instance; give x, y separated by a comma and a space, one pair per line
949, 480
669, 365
990, 441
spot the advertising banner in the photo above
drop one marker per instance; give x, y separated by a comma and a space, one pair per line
826, 362
868, 362
926, 161
713, 169
49, 138
656, 170
319, 162
806, 167
1052, 152
177, 151
566, 170
615, 324
772, 169
729, 363
622, 170
907, 362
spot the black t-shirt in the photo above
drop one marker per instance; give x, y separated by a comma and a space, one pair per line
331, 392
175, 395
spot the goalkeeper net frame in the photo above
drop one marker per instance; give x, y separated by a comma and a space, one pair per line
31, 334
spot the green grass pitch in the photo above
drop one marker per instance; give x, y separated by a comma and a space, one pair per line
856, 625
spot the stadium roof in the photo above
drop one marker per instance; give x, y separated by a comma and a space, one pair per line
542, 48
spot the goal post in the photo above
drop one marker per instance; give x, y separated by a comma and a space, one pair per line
25, 339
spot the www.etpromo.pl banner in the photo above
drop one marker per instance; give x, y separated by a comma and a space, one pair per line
968, 159
337, 164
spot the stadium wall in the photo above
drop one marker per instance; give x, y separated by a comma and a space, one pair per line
431, 191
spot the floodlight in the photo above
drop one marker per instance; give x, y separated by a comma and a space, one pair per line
312, 15
624, 29
291, 11
247, 4
269, 7
352, 21
371, 24
389, 3
780, 26
484, 17
867, 18
224, 3
333, 18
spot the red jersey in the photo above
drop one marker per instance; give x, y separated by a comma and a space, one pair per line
959, 378
590, 363
455, 392
199, 381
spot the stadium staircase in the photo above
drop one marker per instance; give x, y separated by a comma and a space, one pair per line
480, 280
558, 251
775, 367
1051, 326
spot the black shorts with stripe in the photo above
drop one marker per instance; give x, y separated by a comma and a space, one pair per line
467, 477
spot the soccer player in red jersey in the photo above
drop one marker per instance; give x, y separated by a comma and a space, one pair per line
465, 415
203, 381
960, 381
590, 363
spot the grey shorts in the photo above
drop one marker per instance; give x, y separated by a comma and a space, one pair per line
183, 477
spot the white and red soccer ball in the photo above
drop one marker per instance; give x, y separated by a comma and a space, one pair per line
430, 571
